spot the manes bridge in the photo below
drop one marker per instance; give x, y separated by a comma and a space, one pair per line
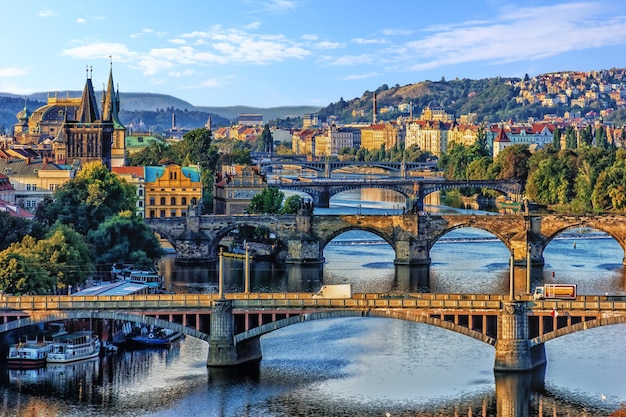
233, 324
413, 189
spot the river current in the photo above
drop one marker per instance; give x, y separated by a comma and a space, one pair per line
358, 366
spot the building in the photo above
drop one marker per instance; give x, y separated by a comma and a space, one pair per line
170, 190
253, 120
500, 142
429, 136
34, 179
234, 188
377, 136
134, 175
135, 142
78, 130
310, 121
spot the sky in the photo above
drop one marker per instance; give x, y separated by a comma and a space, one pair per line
268, 53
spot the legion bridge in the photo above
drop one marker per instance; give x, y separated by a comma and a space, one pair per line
302, 238
232, 325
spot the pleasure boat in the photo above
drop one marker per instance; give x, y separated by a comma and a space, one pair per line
73, 347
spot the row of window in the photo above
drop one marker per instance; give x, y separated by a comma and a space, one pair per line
162, 214
183, 201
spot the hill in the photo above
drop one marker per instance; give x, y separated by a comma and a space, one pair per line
154, 111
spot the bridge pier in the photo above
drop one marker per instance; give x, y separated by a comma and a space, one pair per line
223, 351
514, 352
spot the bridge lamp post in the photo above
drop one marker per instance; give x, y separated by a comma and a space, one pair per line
221, 274
511, 275
247, 271
528, 267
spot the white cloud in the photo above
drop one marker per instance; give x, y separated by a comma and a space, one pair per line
178, 41
363, 41
80, 20
253, 25
397, 32
507, 37
12, 72
178, 74
361, 76
100, 50
329, 45
279, 6
47, 13
309, 37
347, 60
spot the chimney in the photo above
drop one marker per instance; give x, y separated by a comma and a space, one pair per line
375, 110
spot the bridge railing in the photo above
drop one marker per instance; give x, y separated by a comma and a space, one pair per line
16, 305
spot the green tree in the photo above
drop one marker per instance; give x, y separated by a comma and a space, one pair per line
91, 197
291, 204
66, 256
23, 274
268, 201
265, 142
124, 238
13, 229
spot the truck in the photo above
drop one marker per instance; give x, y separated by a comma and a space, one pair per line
334, 291
555, 292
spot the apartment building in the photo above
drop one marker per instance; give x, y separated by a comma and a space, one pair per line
235, 187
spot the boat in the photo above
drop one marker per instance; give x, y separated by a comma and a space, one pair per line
153, 336
30, 354
148, 277
74, 347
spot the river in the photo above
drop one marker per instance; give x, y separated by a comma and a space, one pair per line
359, 366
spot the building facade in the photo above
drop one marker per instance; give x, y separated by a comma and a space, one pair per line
235, 187
170, 190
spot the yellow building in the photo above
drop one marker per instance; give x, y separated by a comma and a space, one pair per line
375, 136
170, 190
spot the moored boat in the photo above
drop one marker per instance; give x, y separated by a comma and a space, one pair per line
154, 337
28, 355
74, 347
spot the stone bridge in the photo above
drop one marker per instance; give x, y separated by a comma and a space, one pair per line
414, 190
517, 328
302, 238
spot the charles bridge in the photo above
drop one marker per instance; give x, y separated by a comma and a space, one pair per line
301, 238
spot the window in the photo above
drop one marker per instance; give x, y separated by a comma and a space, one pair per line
173, 175
162, 201
152, 201
162, 214
152, 213
140, 204
51, 187
172, 213
140, 193
193, 201
173, 201
183, 201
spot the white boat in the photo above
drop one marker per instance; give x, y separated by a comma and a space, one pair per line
28, 355
74, 347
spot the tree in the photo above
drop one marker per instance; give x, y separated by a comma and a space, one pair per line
268, 201
291, 204
13, 229
124, 238
265, 141
91, 197
22, 274
66, 256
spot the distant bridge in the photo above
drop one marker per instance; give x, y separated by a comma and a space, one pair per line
401, 169
413, 189
233, 325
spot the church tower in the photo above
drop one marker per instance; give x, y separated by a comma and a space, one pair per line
110, 114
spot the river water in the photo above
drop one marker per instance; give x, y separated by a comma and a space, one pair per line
358, 366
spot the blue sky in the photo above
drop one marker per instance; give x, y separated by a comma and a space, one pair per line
298, 52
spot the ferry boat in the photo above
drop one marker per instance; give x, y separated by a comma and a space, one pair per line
73, 347
28, 355
149, 277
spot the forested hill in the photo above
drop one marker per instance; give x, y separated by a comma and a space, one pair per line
491, 99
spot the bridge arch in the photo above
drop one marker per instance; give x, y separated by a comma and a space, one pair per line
48, 317
335, 233
585, 325
389, 314
224, 231
469, 223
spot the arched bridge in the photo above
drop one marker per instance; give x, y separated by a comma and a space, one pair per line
232, 325
413, 189
328, 167
302, 238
